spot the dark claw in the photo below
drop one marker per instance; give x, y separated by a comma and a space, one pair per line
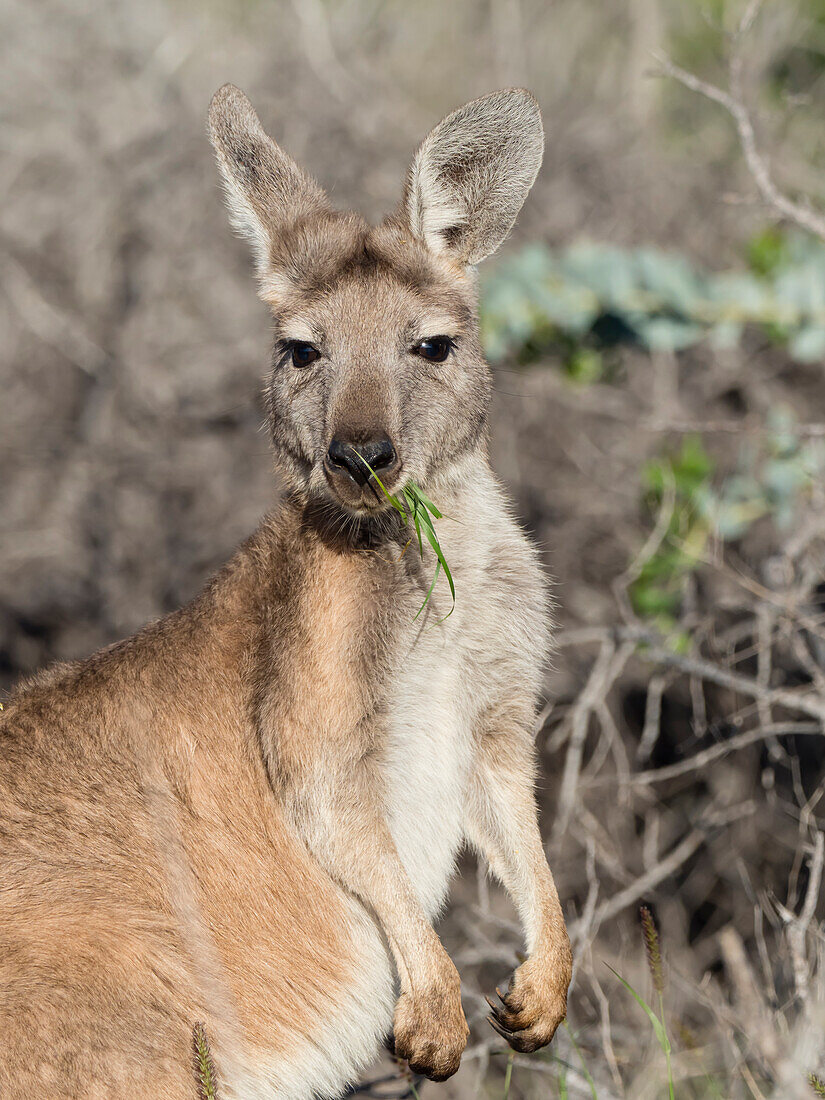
498, 1013
523, 1043
504, 1015
496, 1026
514, 1005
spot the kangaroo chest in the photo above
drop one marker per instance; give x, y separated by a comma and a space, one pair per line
432, 734
448, 676
427, 767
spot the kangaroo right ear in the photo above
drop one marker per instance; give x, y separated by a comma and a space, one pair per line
470, 177
266, 190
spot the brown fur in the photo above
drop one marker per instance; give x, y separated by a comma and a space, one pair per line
202, 823
86, 856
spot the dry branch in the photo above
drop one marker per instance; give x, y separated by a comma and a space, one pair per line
701, 760
798, 926
653, 649
732, 101
647, 882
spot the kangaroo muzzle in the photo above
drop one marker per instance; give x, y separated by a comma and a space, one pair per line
350, 464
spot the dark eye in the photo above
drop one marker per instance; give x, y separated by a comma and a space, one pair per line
435, 350
303, 354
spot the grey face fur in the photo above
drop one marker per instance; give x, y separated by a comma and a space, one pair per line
360, 310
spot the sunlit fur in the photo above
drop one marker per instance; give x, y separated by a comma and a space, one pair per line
249, 813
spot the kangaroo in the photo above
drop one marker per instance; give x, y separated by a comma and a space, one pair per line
248, 814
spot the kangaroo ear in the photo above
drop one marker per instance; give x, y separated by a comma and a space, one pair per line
471, 176
266, 190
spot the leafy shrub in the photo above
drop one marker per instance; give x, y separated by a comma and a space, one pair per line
774, 474
593, 295
679, 483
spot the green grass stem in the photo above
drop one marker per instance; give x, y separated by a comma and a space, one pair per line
591, 1083
508, 1076
413, 505
657, 1023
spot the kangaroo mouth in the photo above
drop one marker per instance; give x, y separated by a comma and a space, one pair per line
367, 497
359, 521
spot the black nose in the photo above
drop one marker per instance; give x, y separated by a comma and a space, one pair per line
359, 458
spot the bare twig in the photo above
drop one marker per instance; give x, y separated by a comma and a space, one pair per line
653, 716
54, 326
654, 540
671, 863
723, 427
765, 620
798, 926
796, 212
748, 995
607, 667
702, 759
807, 701
607, 1038
318, 48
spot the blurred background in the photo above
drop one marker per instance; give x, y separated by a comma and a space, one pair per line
657, 333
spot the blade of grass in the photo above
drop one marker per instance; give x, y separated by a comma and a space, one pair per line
429, 591
508, 1075
563, 1094
436, 545
429, 530
432, 538
420, 509
667, 1049
394, 501
657, 1024
661, 1034
425, 500
585, 1070
413, 505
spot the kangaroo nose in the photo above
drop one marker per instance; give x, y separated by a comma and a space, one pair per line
376, 454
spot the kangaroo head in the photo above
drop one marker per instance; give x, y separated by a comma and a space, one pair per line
377, 361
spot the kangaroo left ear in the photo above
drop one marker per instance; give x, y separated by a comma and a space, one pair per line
471, 176
266, 191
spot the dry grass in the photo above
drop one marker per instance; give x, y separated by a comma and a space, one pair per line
131, 464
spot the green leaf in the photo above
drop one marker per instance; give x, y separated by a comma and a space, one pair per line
540, 300
585, 365
726, 335
419, 507
656, 1023
808, 343
767, 251
671, 277
667, 334
425, 500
